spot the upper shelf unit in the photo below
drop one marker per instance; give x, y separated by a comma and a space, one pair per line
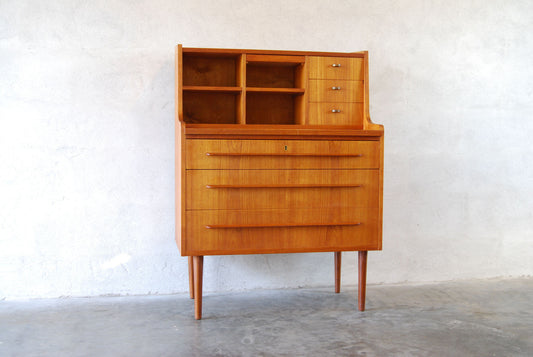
269, 87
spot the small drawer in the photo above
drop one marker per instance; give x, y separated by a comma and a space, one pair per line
271, 189
336, 114
212, 232
336, 91
336, 68
281, 154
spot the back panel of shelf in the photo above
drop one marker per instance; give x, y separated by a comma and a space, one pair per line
270, 108
270, 76
210, 107
210, 70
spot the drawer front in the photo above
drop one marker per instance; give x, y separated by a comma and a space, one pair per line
281, 154
335, 91
336, 114
268, 189
280, 231
336, 68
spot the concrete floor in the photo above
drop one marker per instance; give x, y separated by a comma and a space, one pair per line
472, 318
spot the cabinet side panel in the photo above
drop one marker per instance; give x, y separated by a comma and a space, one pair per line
178, 187
380, 213
179, 154
178, 85
366, 102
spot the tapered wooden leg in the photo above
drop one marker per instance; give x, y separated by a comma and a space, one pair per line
362, 280
191, 278
198, 265
338, 272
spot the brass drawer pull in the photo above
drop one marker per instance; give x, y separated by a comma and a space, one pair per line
336, 88
279, 154
336, 65
286, 186
335, 110
287, 225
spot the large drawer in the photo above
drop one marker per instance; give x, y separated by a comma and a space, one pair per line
280, 231
335, 68
335, 91
281, 154
263, 189
336, 114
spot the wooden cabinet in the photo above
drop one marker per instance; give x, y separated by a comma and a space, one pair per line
275, 153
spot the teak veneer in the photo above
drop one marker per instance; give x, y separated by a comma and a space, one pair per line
275, 153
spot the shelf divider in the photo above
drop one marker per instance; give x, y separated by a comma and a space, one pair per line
212, 89
294, 91
276, 59
241, 81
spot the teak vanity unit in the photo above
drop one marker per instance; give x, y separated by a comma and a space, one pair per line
275, 153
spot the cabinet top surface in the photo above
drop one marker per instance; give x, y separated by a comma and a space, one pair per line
280, 131
193, 50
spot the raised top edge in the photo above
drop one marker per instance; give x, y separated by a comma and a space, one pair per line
291, 130
231, 51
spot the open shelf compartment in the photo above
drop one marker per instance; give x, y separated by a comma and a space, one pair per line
273, 108
266, 71
211, 107
211, 70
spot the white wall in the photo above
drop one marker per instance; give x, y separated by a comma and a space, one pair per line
87, 143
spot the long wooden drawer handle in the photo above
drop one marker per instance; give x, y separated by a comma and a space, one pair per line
285, 186
218, 226
279, 154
